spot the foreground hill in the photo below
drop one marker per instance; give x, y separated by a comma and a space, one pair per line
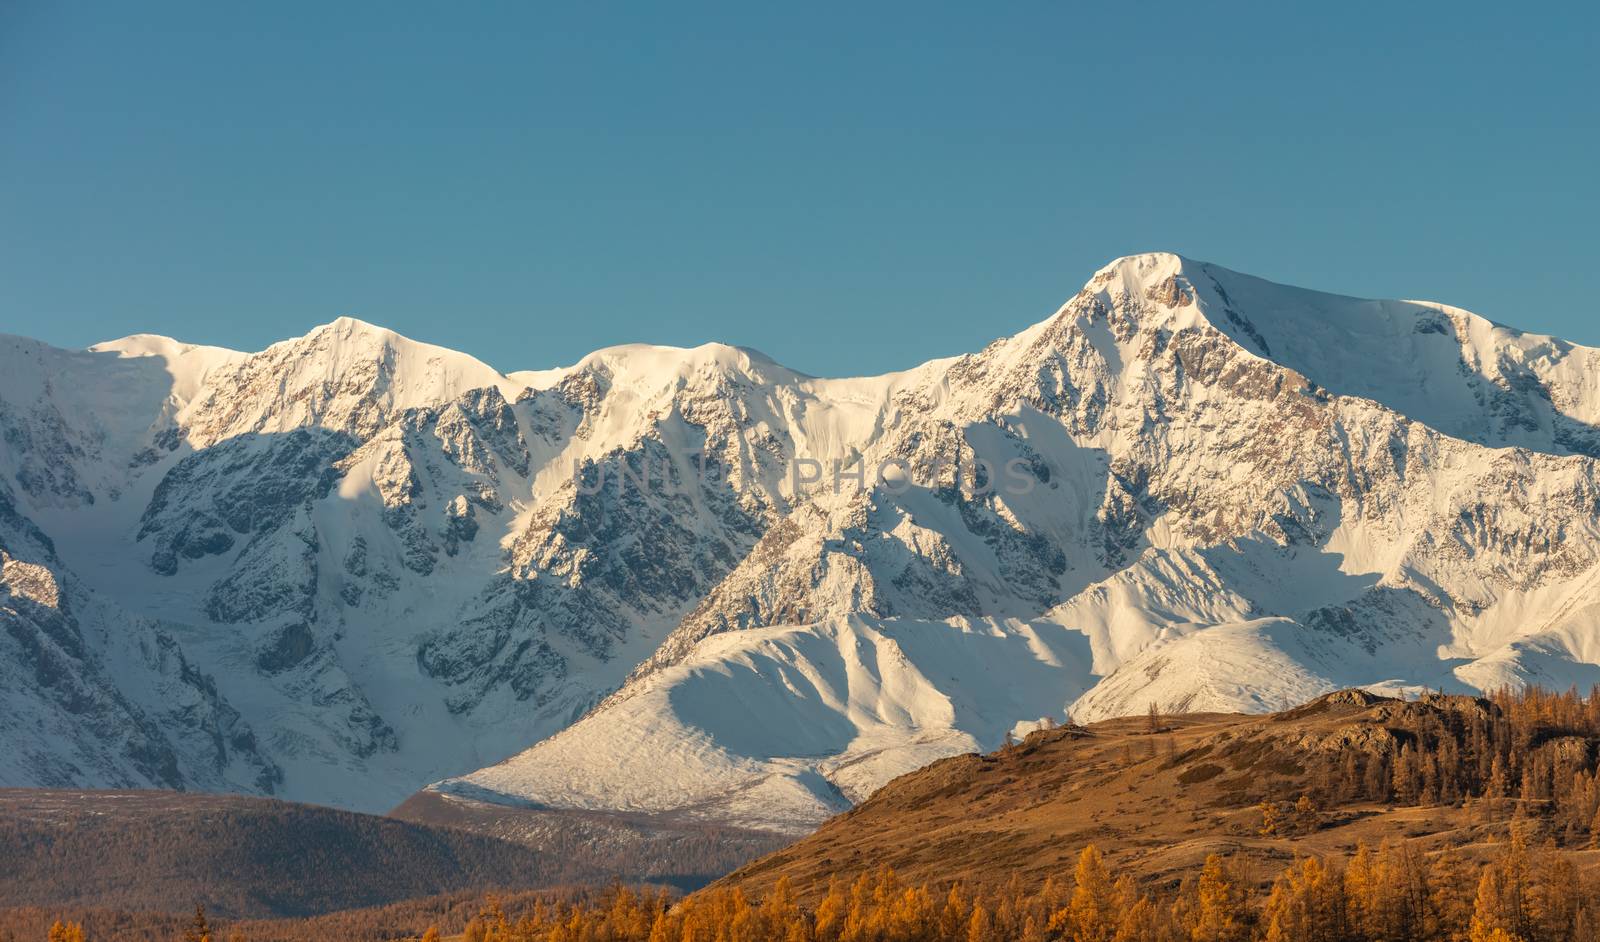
255, 858
1159, 798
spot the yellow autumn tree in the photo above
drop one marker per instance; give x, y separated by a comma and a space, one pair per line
832, 911
779, 910
1306, 904
1090, 915
953, 917
1358, 893
1504, 900
1221, 906
1141, 921
1557, 894
980, 927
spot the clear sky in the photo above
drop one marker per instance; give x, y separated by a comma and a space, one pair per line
850, 187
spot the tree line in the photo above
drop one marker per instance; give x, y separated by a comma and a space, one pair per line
1510, 754
1394, 892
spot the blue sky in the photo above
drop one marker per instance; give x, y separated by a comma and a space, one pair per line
849, 187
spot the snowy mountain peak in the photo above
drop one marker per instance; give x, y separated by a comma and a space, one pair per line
1452, 370
1143, 268
347, 339
346, 376
156, 345
348, 324
652, 364
1163, 280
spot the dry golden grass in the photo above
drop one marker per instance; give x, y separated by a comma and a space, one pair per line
1157, 803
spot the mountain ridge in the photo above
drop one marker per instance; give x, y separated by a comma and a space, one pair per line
351, 564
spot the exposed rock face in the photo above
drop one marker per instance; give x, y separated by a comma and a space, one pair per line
352, 563
83, 722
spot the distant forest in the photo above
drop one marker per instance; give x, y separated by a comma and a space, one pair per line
245, 857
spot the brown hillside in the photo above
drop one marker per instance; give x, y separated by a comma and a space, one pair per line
245, 857
633, 848
1158, 797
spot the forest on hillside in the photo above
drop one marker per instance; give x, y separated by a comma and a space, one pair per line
262, 859
1520, 864
1391, 893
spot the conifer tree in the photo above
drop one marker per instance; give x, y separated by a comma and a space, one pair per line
831, 912
1499, 780
1140, 922
980, 928
1489, 914
199, 930
1359, 893
1375, 782
953, 917
1271, 819
1306, 816
1221, 907
1306, 904
1091, 913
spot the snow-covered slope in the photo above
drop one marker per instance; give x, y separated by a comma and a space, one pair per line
353, 564
779, 728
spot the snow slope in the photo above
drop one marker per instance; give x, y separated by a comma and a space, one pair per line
781, 727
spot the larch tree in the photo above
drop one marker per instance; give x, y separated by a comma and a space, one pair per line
1221, 910
980, 927
199, 929
1091, 912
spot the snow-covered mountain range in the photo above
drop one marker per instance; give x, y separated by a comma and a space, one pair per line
354, 564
